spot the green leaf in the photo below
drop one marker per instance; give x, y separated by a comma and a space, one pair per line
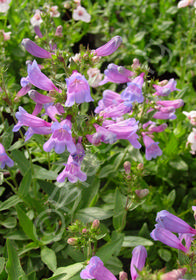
119, 217
2, 189
7, 137
171, 197
69, 271
88, 215
2, 263
111, 248
9, 222
43, 174
49, 258
25, 184
10, 202
106, 171
132, 241
21, 160
179, 164
165, 254
13, 266
26, 224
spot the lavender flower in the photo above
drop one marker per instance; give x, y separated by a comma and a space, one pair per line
167, 237
96, 270
61, 137
174, 274
167, 89
40, 98
72, 171
27, 119
116, 74
133, 93
139, 255
109, 47
173, 223
4, 159
152, 148
34, 49
78, 90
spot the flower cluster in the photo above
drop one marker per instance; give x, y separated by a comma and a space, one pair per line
115, 115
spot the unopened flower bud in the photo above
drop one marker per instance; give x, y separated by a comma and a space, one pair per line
84, 230
163, 83
95, 224
59, 30
127, 167
194, 209
72, 241
135, 64
67, 5
123, 276
142, 193
140, 166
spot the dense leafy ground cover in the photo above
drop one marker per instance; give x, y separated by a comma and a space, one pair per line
96, 137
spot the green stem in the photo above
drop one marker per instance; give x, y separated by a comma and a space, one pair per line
11, 186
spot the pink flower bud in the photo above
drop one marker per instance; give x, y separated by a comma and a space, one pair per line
142, 193
84, 230
95, 224
72, 241
194, 209
127, 167
123, 276
109, 47
59, 30
140, 166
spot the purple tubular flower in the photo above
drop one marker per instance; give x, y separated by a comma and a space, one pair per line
96, 270
165, 115
167, 237
125, 129
52, 110
30, 120
188, 238
72, 171
175, 274
4, 159
153, 128
38, 31
139, 255
44, 130
115, 111
116, 74
101, 135
167, 89
152, 148
173, 223
80, 153
24, 90
78, 90
40, 98
109, 47
171, 103
38, 79
61, 137
133, 93
34, 49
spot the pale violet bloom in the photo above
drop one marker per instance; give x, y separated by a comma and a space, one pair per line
4, 6
152, 148
61, 137
36, 21
109, 47
78, 90
72, 171
59, 30
34, 49
4, 159
29, 120
166, 89
96, 270
173, 223
116, 74
139, 255
167, 237
80, 13
174, 274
